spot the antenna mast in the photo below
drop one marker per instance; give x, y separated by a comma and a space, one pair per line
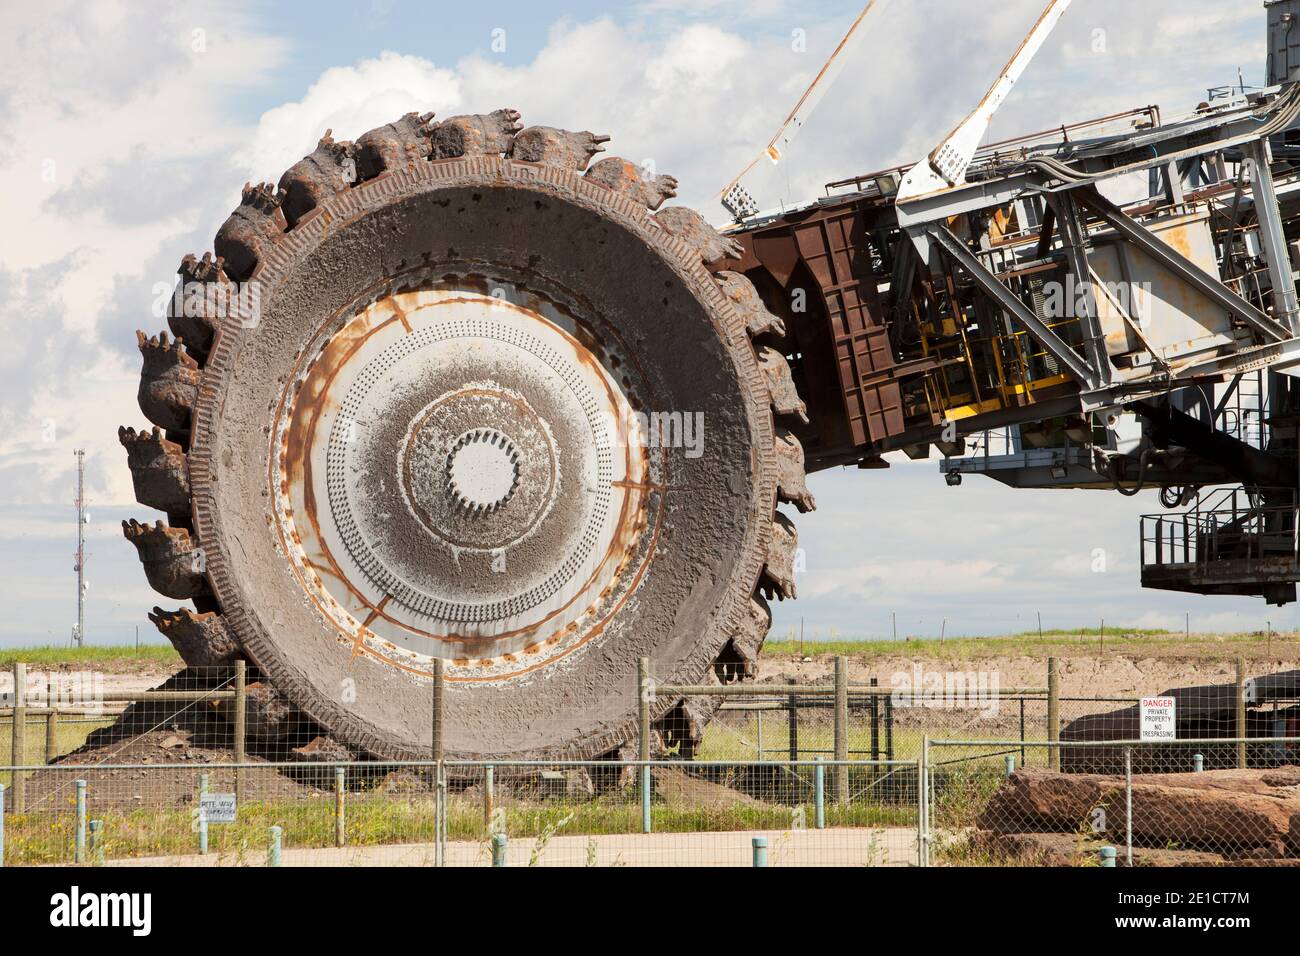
79, 633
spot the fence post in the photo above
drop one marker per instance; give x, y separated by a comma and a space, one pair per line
760, 851
1008, 765
645, 691
819, 792
1240, 733
1128, 807
841, 731
96, 842
499, 849
792, 723
52, 735
18, 752
1107, 856
340, 832
273, 857
241, 720
79, 838
1053, 713
2, 824
923, 804
439, 689
1198, 763
489, 796
203, 817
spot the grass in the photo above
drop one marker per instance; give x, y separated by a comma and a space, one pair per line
159, 654
48, 837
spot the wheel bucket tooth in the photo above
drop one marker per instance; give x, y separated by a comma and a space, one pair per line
477, 135
779, 569
791, 479
780, 383
158, 470
204, 296
744, 297
393, 146
328, 169
692, 228
739, 659
556, 147
202, 640
251, 231
627, 179
173, 563
169, 381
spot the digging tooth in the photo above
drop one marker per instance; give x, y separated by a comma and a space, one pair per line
792, 480
626, 178
328, 169
393, 146
169, 381
251, 231
689, 226
206, 296
739, 660
758, 319
172, 562
778, 571
158, 470
202, 640
556, 147
477, 135
780, 383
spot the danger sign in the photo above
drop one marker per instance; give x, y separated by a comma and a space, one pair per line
1158, 718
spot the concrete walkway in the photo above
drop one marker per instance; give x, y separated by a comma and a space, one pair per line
885, 846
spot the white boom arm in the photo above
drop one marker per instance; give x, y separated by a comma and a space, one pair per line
946, 166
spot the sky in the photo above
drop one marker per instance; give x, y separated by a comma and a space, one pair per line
128, 128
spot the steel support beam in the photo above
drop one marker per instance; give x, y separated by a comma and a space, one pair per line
1074, 240
1181, 266
1286, 305
1016, 309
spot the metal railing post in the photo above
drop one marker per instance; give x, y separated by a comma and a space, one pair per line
1198, 763
1241, 713
923, 804
79, 834
18, 751
340, 820
645, 693
1107, 856
273, 855
96, 842
819, 793
760, 851
241, 723
1008, 765
203, 816
499, 849
1128, 807
489, 796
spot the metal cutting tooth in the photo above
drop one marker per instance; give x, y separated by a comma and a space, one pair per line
628, 179
251, 231
328, 169
172, 561
169, 381
158, 470
480, 134
556, 147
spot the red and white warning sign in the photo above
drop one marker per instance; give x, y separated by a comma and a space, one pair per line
1159, 718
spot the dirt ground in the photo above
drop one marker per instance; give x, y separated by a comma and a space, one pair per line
1084, 675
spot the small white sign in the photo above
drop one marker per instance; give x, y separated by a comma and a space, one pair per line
217, 807
1159, 721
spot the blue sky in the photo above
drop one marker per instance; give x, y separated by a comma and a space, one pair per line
126, 147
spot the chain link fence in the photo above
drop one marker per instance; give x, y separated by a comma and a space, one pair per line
982, 808
565, 813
